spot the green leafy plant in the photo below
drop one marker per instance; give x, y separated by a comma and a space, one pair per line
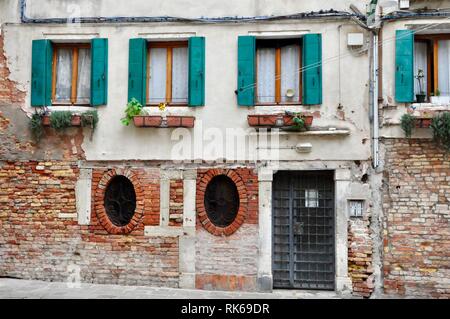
407, 123
60, 120
299, 123
36, 126
441, 130
437, 93
90, 118
133, 108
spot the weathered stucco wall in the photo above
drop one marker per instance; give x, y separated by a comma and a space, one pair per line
221, 110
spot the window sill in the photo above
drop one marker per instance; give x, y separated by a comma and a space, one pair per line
431, 106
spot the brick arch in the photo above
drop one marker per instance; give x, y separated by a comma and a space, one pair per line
202, 183
99, 202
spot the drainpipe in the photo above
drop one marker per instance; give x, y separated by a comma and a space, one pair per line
376, 133
372, 23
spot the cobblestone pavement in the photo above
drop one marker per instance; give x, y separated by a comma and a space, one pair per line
33, 289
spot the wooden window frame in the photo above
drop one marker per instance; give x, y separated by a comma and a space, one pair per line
277, 44
169, 45
432, 41
75, 47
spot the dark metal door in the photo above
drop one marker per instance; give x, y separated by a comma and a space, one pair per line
303, 230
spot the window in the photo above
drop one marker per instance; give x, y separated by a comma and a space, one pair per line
311, 198
167, 73
221, 201
120, 200
278, 65
432, 56
71, 81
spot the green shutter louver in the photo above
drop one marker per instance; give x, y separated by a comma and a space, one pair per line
404, 66
196, 71
246, 70
137, 70
312, 69
41, 73
99, 72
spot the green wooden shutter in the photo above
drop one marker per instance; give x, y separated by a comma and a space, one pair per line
41, 73
137, 70
312, 69
404, 66
196, 71
99, 72
246, 70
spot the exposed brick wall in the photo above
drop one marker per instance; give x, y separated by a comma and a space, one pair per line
230, 262
38, 242
176, 203
360, 257
8, 89
417, 213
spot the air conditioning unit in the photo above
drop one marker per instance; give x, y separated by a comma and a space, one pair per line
403, 4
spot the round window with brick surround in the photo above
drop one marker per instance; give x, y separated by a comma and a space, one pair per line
221, 201
120, 200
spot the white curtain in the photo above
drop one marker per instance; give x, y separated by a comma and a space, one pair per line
266, 75
179, 75
290, 79
420, 63
64, 75
444, 67
84, 76
158, 75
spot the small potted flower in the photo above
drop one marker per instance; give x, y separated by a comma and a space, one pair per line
421, 96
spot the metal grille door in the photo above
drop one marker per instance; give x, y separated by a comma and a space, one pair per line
303, 230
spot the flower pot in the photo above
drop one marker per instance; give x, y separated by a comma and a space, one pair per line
289, 120
440, 100
76, 120
421, 98
152, 121
46, 120
262, 120
423, 122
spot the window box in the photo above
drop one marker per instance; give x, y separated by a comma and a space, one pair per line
147, 121
423, 122
180, 121
263, 120
440, 100
76, 120
288, 120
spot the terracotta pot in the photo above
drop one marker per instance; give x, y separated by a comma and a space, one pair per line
138, 121
46, 120
262, 120
76, 120
187, 121
152, 121
423, 123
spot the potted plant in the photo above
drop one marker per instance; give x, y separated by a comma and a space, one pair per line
437, 98
297, 122
421, 97
407, 123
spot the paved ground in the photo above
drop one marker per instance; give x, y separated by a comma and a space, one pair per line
31, 289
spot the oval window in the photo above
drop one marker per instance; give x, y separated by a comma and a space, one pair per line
120, 200
221, 201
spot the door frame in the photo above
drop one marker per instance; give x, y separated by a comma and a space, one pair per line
342, 188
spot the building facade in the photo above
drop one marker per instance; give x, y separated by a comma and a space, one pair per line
257, 158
